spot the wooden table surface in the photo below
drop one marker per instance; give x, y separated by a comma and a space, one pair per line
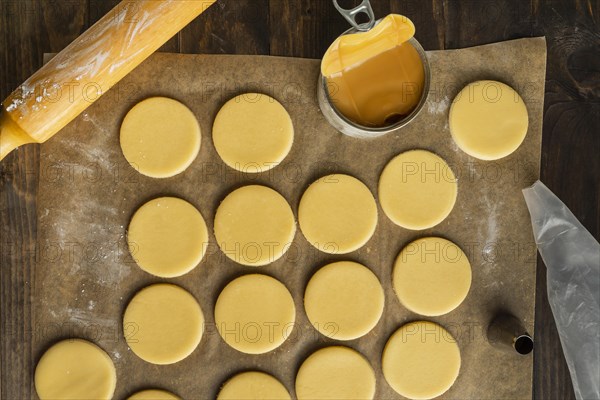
304, 28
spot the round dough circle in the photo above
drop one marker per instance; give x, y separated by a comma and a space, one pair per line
254, 225
75, 369
153, 394
335, 373
337, 214
344, 300
488, 120
163, 324
167, 237
432, 276
255, 314
417, 190
253, 133
421, 360
160, 137
253, 385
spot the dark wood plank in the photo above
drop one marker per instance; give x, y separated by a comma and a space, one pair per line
307, 28
304, 28
570, 166
229, 27
475, 22
28, 28
67, 19
429, 18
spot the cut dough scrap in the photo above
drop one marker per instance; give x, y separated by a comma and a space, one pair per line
432, 276
167, 237
337, 214
344, 300
253, 385
153, 394
335, 373
255, 314
421, 360
417, 190
254, 225
163, 324
488, 120
160, 137
75, 369
253, 133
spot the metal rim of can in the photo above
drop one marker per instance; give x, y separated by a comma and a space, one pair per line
350, 128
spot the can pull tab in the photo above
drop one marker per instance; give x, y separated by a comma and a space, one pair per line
350, 14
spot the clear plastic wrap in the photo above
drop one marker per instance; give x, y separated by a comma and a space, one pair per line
572, 258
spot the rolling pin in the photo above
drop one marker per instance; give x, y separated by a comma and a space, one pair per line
87, 68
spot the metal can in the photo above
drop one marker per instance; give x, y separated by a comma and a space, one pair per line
351, 128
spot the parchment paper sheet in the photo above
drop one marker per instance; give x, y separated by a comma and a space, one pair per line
88, 193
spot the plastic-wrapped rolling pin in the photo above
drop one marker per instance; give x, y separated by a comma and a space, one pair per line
90, 66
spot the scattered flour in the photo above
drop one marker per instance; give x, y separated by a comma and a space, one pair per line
438, 107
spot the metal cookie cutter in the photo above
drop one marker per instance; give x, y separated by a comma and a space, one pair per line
336, 118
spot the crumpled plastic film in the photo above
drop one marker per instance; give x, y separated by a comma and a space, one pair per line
572, 258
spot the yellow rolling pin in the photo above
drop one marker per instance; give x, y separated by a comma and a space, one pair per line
63, 88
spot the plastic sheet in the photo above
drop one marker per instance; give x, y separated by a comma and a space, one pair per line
572, 258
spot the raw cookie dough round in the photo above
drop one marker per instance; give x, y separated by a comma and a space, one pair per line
255, 314
253, 385
344, 300
75, 369
254, 225
421, 360
253, 133
153, 394
335, 373
488, 120
337, 214
432, 276
417, 190
167, 237
160, 137
163, 324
